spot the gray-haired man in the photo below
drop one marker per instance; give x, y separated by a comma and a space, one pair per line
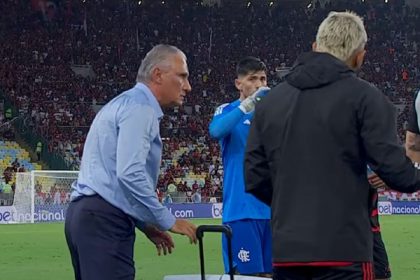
115, 190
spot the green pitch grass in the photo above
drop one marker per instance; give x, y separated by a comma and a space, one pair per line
39, 252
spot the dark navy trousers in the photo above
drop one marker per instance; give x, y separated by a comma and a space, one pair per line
101, 239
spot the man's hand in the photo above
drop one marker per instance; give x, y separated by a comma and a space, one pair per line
184, 227
375, 181
248, 104
162, 240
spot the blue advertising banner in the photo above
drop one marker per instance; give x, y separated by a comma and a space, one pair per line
42, 214
196, 210
50, 213
399, 207
54, 213
57, 213
6, 214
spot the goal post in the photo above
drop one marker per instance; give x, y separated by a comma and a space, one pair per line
42, 195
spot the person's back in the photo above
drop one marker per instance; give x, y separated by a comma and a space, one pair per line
318, 121
310, 141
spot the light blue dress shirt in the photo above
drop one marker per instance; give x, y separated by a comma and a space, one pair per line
121, 157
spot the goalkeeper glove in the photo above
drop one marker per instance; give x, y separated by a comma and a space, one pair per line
248, 104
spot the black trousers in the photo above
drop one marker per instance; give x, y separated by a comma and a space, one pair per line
101, 239
357, 271
380, 257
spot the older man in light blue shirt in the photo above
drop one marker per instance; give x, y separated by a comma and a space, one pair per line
122, 157
115, 190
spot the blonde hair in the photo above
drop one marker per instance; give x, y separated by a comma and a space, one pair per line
341, 34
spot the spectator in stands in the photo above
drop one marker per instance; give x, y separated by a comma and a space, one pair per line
39, 199
195, 186
188, 195
168, 199
38, 187
160, 194
123, 186
8, 114
171, 189
15, 164
7, 189
64, 196
38, 150
48, 198
57, 196
218, 193
8, 174
57, 103
9, 134
6, 193
196, 197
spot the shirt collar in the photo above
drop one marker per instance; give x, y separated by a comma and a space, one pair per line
151, 97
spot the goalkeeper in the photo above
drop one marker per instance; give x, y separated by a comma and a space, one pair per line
248, 217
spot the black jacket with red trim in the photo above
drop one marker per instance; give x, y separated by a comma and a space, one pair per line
310, 141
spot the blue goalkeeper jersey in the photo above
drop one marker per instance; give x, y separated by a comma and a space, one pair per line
231, 127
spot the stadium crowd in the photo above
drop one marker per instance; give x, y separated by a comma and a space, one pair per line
109, 38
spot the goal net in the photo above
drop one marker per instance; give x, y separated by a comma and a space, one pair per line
42, 196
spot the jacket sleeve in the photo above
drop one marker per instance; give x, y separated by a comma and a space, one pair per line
377, 120
256, 167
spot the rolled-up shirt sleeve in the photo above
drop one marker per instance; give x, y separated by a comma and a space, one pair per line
137, 127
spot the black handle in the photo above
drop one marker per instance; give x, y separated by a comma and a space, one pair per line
215, 228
